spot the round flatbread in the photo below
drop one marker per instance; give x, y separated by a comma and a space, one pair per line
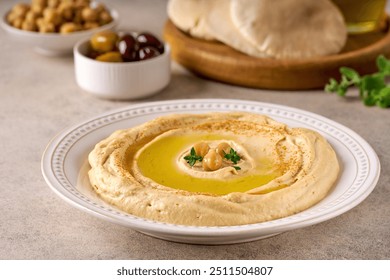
221, 27
290, 28
190, 16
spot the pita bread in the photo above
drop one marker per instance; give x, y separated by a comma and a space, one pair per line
290, 28
190, 15
222, 28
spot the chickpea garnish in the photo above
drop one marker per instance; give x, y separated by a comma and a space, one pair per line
212, 161
223, 149
192, 158
201, 148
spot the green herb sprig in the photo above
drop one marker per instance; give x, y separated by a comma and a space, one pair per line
373, 89
232, 156
192, 158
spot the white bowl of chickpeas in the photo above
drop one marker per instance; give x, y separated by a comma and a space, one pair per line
53, 27
122, 65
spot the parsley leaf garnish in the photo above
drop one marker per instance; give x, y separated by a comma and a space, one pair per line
237, 167
192, 158
232, 156
373, 89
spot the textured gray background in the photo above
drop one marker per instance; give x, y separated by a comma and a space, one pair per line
39, 97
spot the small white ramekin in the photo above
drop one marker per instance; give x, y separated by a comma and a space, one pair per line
121, 80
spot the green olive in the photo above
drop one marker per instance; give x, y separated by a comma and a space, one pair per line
110, 57
104, 41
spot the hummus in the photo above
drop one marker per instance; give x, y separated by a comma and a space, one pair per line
268, 170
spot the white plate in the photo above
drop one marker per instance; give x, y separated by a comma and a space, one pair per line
63, 164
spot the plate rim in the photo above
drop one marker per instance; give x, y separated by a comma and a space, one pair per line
142, 225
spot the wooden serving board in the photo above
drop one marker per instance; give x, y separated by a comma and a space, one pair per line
219, 62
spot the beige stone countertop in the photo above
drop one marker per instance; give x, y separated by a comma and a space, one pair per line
39, 97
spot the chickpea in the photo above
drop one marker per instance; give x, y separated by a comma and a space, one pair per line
104, 18
201, 148
90, 25
58, 15
39, 2
38, 9
52, 16
100, 8
89, 14
84, 2
31, 16
46, 27
69, 27
212, 161
77, 18
40, 21
81, 3
17, 23
66, 11
11, 17
20, 9
29, 25
223, 148
67, 1
53, 3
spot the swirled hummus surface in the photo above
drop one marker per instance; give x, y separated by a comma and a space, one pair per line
269, 171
